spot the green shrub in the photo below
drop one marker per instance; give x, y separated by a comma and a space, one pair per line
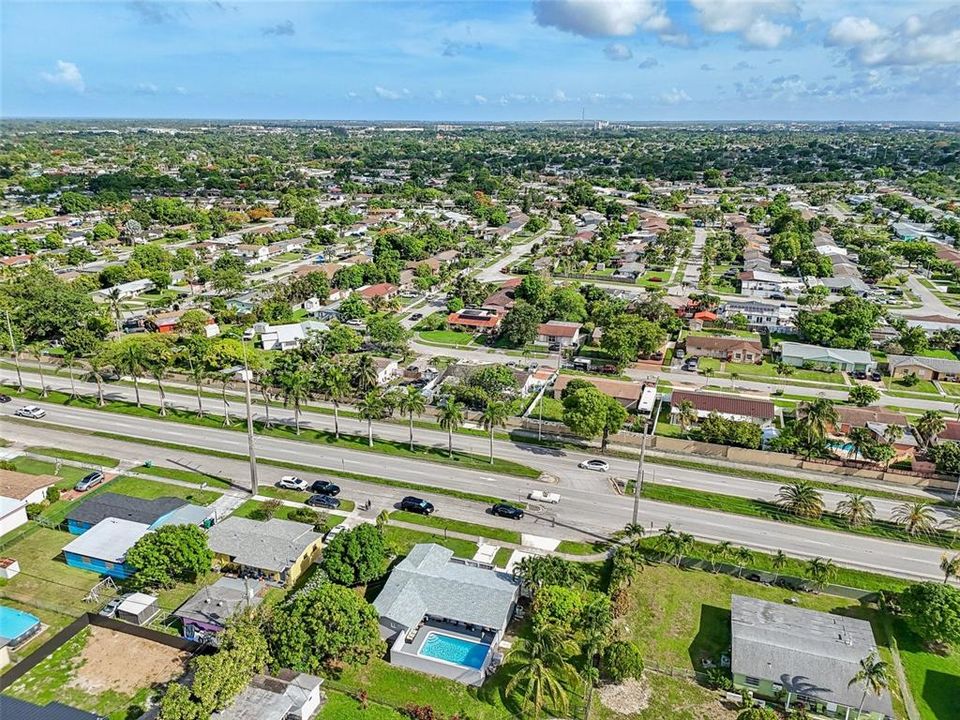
34, 510
621, 661
53, 494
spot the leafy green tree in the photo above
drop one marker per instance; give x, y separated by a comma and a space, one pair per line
324, 626
758, 713
819, 572
353, 308
628, 336
932, 611
177, 703
220, 677
622, 661
387, 333
928, 426
946, 456
590, 413
519, 327
355, 557
568, 304
539, 570
170, 554
534, 289
863, 395
557, 605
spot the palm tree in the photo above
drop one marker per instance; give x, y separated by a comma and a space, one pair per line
495, 413
873, 676
371, 408
742, 557
718, 553
950, 567
686, 415
158, 364
411, 402
928, 426
365, 374
225, 377
956, 409
800, 498
296, 391
544, 667
451, 418
197, 370
335, 385
856, 510
817, 416
115, 302
916, 517
819, 571
98, 363
37, 349
632, 532
785, 370
862, 440
67, 362
778, 563
131, 361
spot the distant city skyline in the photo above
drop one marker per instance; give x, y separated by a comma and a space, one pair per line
523, 60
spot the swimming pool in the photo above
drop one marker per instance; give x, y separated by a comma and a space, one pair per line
454, 650
846, 447
16, 626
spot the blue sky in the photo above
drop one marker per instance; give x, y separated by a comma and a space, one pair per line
494, 60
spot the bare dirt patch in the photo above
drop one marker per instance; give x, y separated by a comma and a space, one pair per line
121, 663
628, 698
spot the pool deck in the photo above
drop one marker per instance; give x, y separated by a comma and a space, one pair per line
457, 631
407, 654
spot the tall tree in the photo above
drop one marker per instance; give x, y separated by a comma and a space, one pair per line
451, 418
856, 509
372, 407
335, 386
495, 414
917, 518
800, 498
819, 571
543, 669
873, 676
38, 349
411, 402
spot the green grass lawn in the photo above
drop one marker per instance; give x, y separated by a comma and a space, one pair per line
922, 386
249, 507
33, 466
951, 388
150, 489
353, 442
576, 547
295, 496
182, 475
934, 679
467, 528
446, 337
402, 540
654, 278
74, 455
934, 353
502, 557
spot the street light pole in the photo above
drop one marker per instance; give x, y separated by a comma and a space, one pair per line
16, 354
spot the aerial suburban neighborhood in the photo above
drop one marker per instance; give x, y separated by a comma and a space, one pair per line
501, 417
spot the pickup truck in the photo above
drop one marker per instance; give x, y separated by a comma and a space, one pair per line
544, 497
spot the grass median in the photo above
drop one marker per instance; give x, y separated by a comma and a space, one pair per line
350, 442
75, 455
458, 526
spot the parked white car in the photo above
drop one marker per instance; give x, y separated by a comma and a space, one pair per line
544, 497
292, 482
597, 465
33, 412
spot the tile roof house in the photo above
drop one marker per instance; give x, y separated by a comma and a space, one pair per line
731, 407
384, 290
276, 550
805, 657
627, 393
476, 319
733, 349
849, 417
431, 593
925, 368
798, 354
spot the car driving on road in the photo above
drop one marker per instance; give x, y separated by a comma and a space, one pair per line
594, 464
323, 501
4, 398
416, 505
31, 411
324, 487
292, 482
88, 481
507, 511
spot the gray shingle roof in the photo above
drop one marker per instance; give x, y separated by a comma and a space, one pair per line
273, 545
939, 365
123, 507
14, 708
815, 353
430, 582
808, 652
218, 602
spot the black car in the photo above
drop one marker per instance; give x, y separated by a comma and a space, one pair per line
859, 375
554, 347
507, 511
4, 398
416, 505
323, 487
323, 501
875, 376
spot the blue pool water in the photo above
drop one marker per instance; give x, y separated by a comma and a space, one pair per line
15, 624
837, 445
454, 650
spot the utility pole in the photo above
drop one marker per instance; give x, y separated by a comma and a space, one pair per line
254, 482
956, 490
638, 485
16, 354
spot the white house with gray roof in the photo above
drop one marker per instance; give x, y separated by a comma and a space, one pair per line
799, 354
803, 657
277, 550
445, 616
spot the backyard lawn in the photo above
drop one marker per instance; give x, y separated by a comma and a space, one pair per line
934, 679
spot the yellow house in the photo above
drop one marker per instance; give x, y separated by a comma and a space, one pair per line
277, 550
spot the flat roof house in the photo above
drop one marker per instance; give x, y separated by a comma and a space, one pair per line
925, 368
731, 407
103, 548
206, 613
731, 349
806, 656
288, 695
277, 550
124, 507
445, 616
798, 354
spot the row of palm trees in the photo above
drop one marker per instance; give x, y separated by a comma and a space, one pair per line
803, 499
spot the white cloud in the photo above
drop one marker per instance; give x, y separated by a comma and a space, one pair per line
147, 89
674, 97
67, 74
559, 96
602, 18
479, 99
849, 31
617, 52
180, 90
920, 40
388, 94
648, 62
751, 20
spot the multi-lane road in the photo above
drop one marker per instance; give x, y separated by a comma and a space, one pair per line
590, 506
